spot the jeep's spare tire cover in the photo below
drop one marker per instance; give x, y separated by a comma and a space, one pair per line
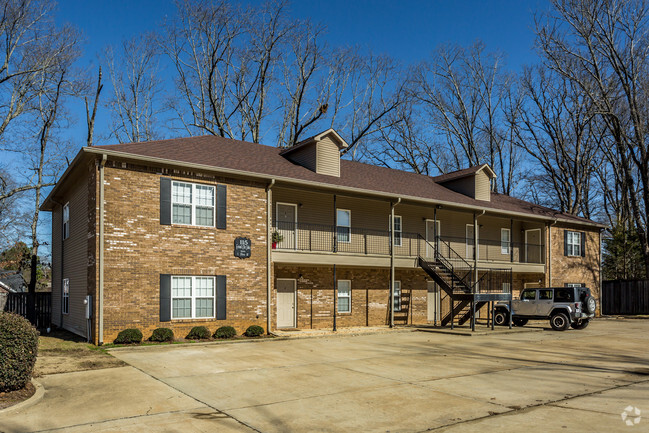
589, 304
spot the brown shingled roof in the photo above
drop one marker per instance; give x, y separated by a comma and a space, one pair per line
459, 174
219, 152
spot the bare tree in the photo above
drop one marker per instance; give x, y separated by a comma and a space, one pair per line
601, 46
558, 130
90, 115
303, 104
464, 93
134, 77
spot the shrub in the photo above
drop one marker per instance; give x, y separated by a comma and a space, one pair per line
225, 332
198, 333
18, 350
162, 334
254, 331
129, 336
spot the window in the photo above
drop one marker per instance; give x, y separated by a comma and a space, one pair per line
564, 295
528, 295
192, 297
397, 230
192, 204
506, 287
573, 243
344, 296
65, 306
574, 285
343, 225
545, 295
397, 296
505, 239
66, 220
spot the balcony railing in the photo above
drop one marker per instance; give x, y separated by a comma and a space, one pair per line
328, 238
498, 251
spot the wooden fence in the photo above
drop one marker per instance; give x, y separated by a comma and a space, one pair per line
625, 297
17, 303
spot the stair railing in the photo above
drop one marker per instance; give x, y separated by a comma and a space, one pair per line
449, 259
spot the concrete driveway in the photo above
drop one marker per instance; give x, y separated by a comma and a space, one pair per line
398, 381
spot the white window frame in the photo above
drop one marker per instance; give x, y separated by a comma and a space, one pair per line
193, 297
573, 249
66, 221
573, 285
193, 204
396, 300
505, 244
349, 227
398, 233
348, 296
65, 290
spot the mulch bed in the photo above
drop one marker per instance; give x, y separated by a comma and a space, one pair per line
14, 397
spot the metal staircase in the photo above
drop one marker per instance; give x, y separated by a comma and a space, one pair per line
468, 289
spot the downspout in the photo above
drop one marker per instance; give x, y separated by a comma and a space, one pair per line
549, 247
391, 303
269, 238
100, 291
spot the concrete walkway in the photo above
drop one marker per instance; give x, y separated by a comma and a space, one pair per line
407, 381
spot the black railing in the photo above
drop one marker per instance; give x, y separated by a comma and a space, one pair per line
480, 280
328, 238
460, 267
492, 250
18, 303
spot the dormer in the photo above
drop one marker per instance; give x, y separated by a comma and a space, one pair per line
320, 153
474, 182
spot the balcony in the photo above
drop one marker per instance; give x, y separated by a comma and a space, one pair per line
307, 237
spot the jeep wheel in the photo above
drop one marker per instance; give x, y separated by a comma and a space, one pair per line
519, 322
559, 322
580, 324
589, 304
501, 318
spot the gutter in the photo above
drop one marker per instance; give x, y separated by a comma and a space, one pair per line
267, 178
269, 237
391, 303
100, 291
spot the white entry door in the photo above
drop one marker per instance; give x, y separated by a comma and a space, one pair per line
533, 246
286, 225
470, 242
285, 303
430, 237
434, 302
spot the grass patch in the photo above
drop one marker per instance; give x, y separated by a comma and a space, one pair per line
63, 352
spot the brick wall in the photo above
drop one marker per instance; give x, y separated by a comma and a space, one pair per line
369, 292
584, 270
138, 249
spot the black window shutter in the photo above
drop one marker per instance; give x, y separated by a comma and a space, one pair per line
221, 206
165, 297
583, 244
221, 297
565, 242
165, 201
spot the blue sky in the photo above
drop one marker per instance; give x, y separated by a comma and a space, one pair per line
407, 30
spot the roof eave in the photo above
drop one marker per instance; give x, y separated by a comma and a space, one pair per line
289, 180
